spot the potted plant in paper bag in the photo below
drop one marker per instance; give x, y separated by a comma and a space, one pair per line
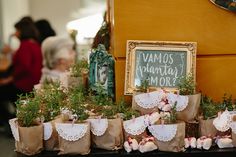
169, 134
74, 135
52, 98
144, 101
106, 126
27, 128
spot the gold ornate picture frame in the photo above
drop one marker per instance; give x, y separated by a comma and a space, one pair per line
162, 63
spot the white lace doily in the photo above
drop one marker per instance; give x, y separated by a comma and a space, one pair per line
14, 129
163, 133
182, 101
98, 126
47, 130
148, 100
135, 126
233, 127
71, 132
223, 121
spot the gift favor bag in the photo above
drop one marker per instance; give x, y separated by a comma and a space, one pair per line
135, 128
191, 129
50, 135
222, 122
28, 140
233, 127
75, 81
109, 135
191, 111
146, 103
206, 128
187, 106
74, 138
169, 137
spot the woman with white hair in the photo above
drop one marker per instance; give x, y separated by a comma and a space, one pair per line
58, 56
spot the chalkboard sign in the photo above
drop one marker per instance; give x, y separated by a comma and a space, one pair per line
161, 63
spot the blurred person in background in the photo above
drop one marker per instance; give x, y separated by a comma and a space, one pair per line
58, 57
26, 62
45, 29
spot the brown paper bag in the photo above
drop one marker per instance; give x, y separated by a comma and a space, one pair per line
233, 133
135, 128
191, 129
137, 137
31, 140
113, 138
190, 113
206, 128
75, 81
234, 138
176, 144
52, 144
142, 110
72, 146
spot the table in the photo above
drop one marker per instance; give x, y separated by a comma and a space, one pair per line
213, 152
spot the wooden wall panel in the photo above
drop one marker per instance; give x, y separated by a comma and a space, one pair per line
216, 75
180, 20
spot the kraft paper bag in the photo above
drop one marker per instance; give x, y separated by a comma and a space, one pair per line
137, 137
206, 128
30, 140
143, 109
51, 142
113, 138
75, 81
191, 129
169, 137
233, 127
135, 128
190, 113
74, 138
234, 138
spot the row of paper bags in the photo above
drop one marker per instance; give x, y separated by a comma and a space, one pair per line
107, 134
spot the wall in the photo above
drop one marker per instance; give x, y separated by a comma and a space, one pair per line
179, 20
11, 12
58, 12
1, 31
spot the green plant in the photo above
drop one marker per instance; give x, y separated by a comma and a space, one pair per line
79, 67
227, 103
126, 110
109, 111
187, 85
52, 99
208, 107
173, 114
100, 96
76, 102
144, 86
28, 107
